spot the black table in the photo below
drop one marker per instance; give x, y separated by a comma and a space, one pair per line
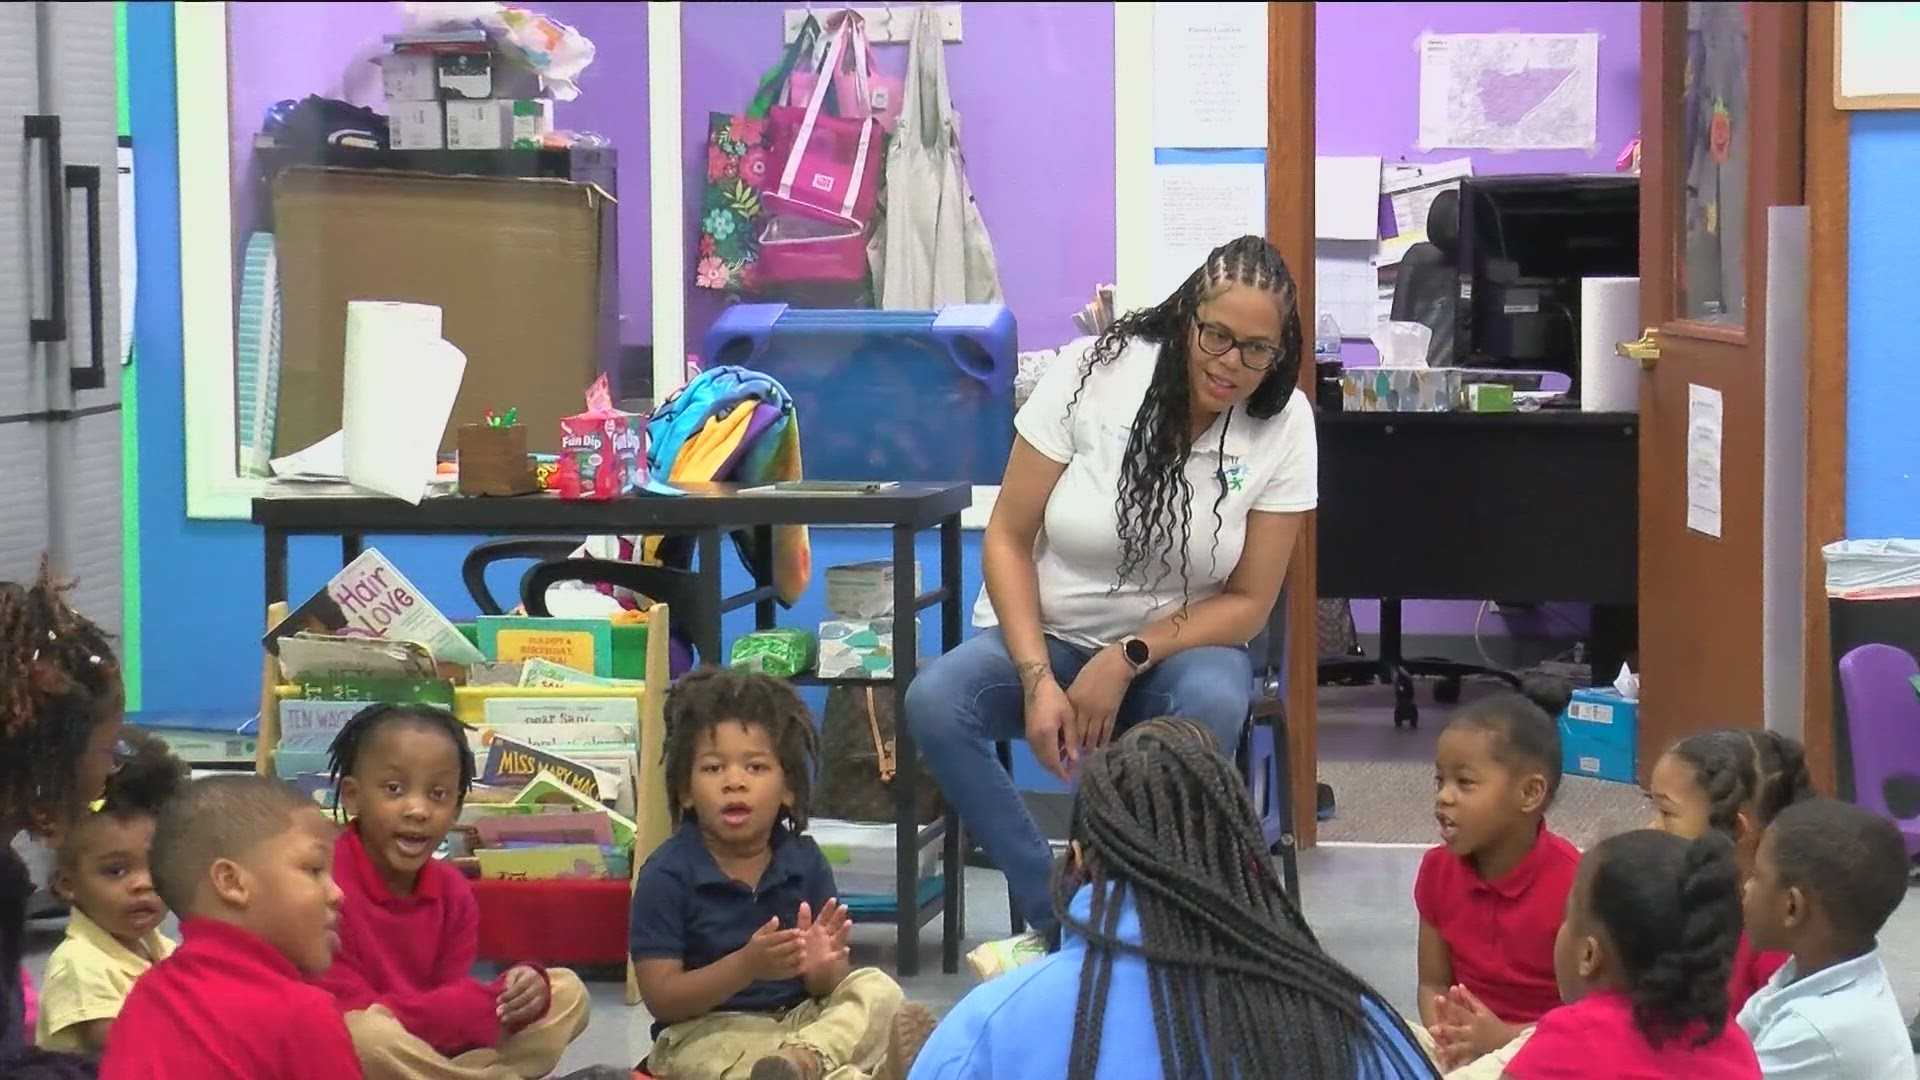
1536, 507
708, 512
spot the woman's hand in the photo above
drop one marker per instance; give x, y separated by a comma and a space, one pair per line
1051, 728
1095, 695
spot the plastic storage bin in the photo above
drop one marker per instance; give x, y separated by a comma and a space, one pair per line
885, 395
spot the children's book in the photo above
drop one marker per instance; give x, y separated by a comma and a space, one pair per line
562, 712
581, 644
371, 598
545, 863
586, 827
312, 725
539, 672
305, 656
511, 761
389, 691
563, 737
547, 789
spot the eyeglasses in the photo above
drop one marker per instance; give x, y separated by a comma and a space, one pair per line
1217, 340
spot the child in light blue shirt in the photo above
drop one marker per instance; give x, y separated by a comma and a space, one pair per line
1178, 947
1825, 880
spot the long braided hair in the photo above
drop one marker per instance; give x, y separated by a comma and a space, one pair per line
59, 679
1154, 501
1239, 985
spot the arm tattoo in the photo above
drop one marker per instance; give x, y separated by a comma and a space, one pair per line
1030, 674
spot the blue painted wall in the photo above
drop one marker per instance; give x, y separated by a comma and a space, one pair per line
1883, 348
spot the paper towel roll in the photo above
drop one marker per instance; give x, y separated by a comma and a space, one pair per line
1609, 313
400, 382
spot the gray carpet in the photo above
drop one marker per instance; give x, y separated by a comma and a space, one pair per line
1382, 776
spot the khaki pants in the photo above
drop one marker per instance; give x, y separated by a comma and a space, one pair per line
390, 1052
1485, 1067
848, 1028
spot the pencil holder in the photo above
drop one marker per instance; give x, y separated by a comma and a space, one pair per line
493, 460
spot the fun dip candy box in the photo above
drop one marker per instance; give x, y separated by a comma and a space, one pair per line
603, 452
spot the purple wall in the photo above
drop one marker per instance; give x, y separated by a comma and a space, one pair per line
1033, 84
290, 50
1367, 101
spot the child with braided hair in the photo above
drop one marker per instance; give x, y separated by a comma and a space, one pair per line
1642, 961
1733, 782
113, 934
1181, 955
61, 706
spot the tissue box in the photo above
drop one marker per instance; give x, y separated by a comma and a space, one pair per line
864, 590
602, 455
1400, 389
417, 125
782, 652
1599, 735
856, 649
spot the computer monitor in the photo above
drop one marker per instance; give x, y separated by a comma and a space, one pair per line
1525, 243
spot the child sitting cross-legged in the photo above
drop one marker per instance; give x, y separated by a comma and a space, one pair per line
1642, 962
1735, 782
738, 939
1827, 877
1491, 896
101, 871
409, 927
246, 861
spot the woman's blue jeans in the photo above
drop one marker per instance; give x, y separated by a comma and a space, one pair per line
963, 702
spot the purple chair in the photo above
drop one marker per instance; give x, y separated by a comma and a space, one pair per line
1883, 733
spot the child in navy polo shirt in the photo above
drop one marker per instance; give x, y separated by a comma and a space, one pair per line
1642, 960
1491, 896
738, 939
247, 863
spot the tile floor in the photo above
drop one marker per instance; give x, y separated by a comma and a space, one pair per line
1375, 937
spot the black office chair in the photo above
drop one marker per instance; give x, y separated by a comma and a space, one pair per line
1426, 290
1426, 287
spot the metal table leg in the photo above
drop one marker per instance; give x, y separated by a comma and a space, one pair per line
708, 566
906, 850
953, 852
765, 612
351, 545
276, 566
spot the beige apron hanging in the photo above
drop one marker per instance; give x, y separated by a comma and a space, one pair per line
932, 248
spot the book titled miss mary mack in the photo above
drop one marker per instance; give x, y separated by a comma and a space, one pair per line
371, 598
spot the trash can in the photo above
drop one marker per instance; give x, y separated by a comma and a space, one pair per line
1873, 599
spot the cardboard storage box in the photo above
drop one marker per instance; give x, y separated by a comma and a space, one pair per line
524, 271
417, 125
496, 124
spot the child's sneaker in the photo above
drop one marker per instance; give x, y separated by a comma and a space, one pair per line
999, 957
911, 1027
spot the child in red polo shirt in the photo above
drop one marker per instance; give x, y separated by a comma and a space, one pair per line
409, 927
1733, 782
1492, 894
1642, 960
246, 862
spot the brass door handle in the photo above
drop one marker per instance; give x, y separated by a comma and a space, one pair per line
1645, 351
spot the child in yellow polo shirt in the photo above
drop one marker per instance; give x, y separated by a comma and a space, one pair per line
113, 934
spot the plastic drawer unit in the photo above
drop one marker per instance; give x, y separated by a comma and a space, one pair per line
885, 395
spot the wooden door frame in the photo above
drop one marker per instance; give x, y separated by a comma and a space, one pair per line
1290, 152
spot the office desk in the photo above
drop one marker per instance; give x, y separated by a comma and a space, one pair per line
1541, 507
708, 512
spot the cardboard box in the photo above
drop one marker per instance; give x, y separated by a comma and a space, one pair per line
864, 590
602, 455
524, 271
417, 125
1600, 736
496, 124
407, 77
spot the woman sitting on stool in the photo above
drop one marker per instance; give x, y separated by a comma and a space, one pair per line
1150, 505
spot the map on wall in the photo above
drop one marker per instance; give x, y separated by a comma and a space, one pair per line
1509, 91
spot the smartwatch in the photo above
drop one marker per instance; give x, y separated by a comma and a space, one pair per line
1137, 652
